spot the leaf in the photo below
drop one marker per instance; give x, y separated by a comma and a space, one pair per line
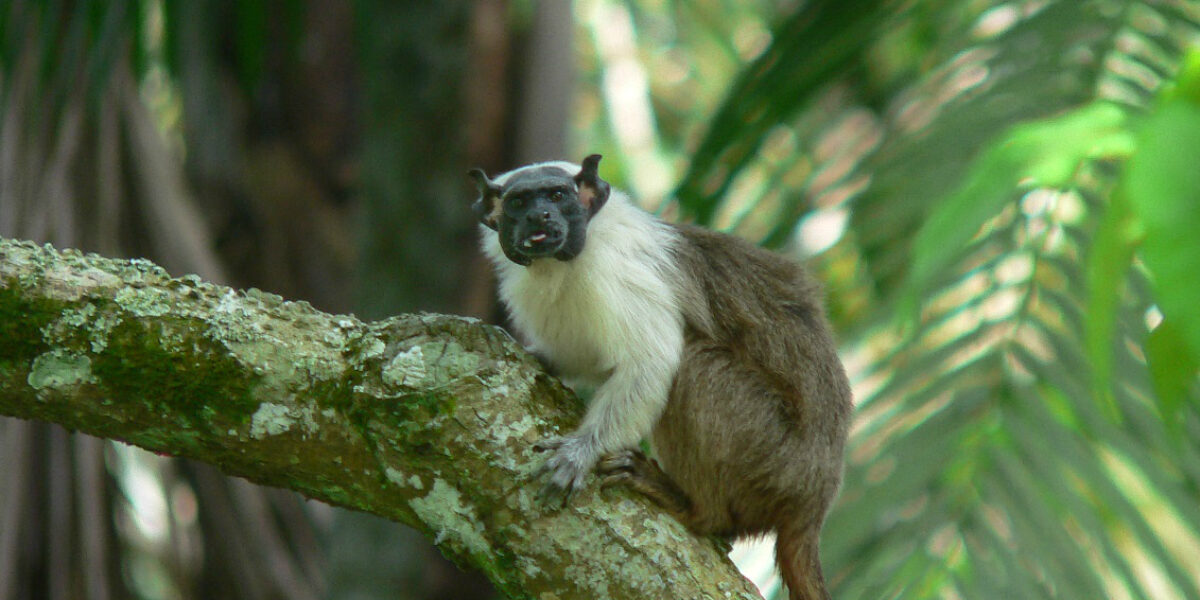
1162, 182
1173, 367
821, 42
1108, 263
1043, 153
981, 429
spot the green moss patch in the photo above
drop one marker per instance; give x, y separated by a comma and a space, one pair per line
188, 379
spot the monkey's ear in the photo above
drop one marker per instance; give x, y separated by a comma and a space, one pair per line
593, 191
487, 207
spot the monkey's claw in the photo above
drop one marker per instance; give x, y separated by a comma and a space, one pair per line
547, 444
621, 468
625, 460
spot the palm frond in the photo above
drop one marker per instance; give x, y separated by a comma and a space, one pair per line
986, 461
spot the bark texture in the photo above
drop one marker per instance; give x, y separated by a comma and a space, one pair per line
424, 419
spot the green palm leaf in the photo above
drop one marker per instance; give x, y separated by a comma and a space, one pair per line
1010, 442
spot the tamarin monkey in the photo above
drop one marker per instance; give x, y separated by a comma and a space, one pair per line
718, 351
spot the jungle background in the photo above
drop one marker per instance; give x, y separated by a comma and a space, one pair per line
1002, 198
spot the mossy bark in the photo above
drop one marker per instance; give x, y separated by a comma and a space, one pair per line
425, 419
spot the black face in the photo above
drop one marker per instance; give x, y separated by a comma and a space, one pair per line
542, 212
541, 216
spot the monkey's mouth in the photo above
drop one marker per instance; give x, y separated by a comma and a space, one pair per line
541, 240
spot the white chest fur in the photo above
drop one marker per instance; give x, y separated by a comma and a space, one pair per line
612, 306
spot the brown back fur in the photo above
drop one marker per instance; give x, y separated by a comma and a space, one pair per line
759, 448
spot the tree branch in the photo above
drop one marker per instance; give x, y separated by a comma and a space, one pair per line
424, 419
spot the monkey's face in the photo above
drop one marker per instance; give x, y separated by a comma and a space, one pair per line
540, 216
542, 211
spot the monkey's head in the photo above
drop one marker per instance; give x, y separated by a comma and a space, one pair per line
541, 211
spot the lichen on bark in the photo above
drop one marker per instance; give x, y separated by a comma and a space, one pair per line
425, 419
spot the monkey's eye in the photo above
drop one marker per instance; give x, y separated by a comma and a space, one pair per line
557, 196
516, 202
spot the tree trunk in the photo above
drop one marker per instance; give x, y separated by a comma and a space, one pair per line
424, 419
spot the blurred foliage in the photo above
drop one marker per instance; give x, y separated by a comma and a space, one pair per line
1000, 197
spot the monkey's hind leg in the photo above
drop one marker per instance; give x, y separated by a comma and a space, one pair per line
632, 469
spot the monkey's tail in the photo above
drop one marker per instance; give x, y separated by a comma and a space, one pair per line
796, 553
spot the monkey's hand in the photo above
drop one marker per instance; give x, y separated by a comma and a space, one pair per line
574, 457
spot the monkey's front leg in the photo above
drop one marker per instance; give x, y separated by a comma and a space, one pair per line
622, 412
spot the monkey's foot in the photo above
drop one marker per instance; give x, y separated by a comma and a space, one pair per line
632, 469
574, 457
